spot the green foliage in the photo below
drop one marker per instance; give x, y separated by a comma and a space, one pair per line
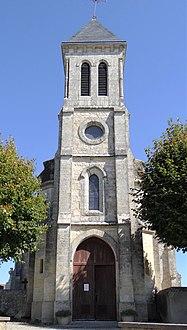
129, 312
162, 197
22, 209
63, 313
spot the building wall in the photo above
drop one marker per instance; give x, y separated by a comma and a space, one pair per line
160, 264
41, 286
94, 54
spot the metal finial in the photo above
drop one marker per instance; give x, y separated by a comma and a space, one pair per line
95, 6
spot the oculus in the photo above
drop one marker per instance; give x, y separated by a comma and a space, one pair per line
93, 131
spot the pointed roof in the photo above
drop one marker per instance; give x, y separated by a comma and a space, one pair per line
94, 32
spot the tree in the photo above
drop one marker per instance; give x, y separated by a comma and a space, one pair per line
22, 208
162, 197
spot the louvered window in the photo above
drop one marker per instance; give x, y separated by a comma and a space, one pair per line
85, 79
102, 83
93, 192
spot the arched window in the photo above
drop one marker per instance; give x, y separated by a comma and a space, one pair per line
102, 79
93, 192
85, 79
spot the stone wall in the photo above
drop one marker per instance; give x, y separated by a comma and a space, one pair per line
150, 326
160, 264
171, 305
113, 55
13, 303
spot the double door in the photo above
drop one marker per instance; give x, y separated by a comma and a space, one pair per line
94, 296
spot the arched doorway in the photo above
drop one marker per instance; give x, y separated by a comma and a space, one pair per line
94, 283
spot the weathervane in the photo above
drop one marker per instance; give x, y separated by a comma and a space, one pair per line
95, 6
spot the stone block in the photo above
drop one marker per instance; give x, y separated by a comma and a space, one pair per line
171, 305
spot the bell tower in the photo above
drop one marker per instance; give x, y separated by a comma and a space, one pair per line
95, 261
95, 174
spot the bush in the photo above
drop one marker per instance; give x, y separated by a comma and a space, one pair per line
63, 313
129, 312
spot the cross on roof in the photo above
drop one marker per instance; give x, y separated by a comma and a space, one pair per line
95, 6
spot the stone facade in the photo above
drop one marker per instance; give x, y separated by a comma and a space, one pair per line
13, 303
65, 183
171, 305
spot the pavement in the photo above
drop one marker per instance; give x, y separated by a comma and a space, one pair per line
75, 325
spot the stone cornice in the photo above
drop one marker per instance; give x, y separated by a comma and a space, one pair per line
107, 48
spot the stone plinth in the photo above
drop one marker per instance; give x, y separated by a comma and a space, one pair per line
3, 322
151, 326
171, 305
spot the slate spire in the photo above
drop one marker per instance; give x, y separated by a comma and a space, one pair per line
94, 32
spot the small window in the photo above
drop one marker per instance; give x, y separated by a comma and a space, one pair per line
66, 85
102, 79
93, 192
41, 266
85, 79
93, 132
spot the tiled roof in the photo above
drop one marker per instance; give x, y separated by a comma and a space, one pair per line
92, 32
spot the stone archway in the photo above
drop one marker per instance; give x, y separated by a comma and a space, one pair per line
94, 282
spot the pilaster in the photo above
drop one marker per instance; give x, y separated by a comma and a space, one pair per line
63, 278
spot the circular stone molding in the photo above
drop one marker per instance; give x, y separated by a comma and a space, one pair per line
99, 134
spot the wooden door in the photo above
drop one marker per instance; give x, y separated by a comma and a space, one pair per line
83, 293
105, 302
94, 281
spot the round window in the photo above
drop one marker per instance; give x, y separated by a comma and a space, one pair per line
93, 132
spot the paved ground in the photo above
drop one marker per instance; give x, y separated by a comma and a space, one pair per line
80, 326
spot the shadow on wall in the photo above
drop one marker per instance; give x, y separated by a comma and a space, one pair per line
62, 290
145, 274
151, 290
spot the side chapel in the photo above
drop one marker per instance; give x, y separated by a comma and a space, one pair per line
95, 259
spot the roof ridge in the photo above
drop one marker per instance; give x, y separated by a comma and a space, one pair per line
104, 28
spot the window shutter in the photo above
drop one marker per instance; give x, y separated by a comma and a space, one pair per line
102, 83
85, 79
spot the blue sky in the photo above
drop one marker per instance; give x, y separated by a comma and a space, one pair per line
32, 77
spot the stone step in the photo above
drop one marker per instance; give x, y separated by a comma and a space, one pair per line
113, 325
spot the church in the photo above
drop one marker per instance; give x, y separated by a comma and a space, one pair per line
95, 260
